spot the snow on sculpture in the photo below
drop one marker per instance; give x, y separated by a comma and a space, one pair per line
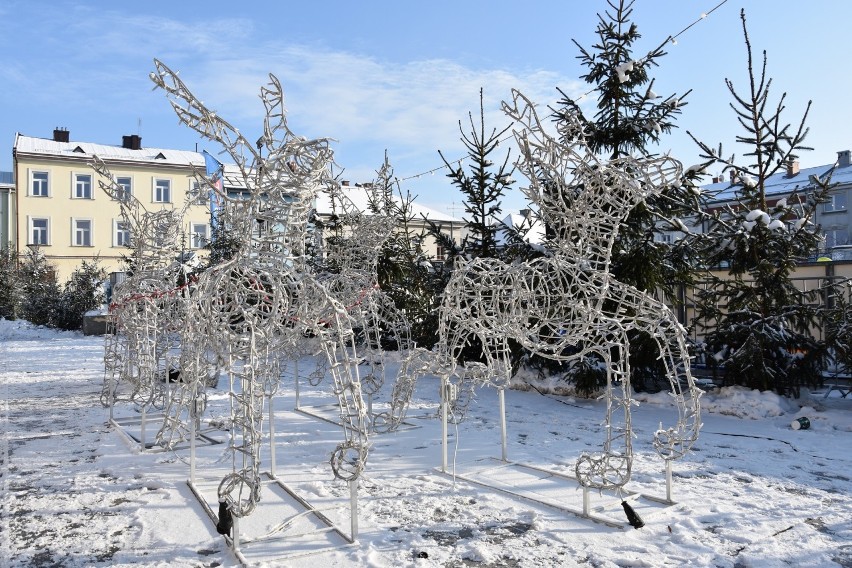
567, 305
249, 310
147, 308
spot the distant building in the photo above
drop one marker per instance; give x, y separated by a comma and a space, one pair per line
832, 217
52, 201
448, 225
527, 224
7, 196
57, 207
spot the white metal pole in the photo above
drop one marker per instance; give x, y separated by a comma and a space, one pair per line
192, 445
353, 507
235, 539
669, 481
445, 408
296, 380
142, 431
271, 438
502, 395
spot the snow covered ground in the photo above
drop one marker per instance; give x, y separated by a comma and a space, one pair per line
76, 492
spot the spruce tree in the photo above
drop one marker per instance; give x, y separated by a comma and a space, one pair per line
838, 327
404, 272
757, 323
631, 119
42, 294
83, 292
11, 294
482, 185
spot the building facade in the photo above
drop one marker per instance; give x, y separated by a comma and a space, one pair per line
417, 226
830, 262
55, 205
7, 196
832, 217
58, 209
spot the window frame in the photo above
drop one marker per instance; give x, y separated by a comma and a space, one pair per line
121, 227
831, 206
75, 230
195, 235
31, 231
833, 240
156, 189
126, 191
32, 180
75, 185
202, 198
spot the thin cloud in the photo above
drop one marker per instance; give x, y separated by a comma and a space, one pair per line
352, 97
368, 104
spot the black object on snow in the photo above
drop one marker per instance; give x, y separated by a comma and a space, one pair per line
226, 522
632, 517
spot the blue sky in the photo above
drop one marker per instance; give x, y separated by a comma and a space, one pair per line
399, 75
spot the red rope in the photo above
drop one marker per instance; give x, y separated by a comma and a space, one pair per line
155, 295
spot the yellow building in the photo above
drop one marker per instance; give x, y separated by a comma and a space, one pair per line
58, 208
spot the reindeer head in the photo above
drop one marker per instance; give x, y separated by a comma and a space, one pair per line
581, 198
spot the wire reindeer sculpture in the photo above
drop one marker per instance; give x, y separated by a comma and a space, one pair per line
247, 311
146, 311
566, 305
354, 256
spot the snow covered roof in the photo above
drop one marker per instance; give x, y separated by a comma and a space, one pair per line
73, 149
781, 184
232, 176
534, 236
358, 195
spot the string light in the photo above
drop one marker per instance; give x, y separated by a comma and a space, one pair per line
672, 39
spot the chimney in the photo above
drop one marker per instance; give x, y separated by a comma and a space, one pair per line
525, 213
345, 183
60, 134
843, 158
792, 168
733, 176
132, 142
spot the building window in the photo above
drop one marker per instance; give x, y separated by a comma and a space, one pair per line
200, 235
836, 237
836, 202
664, 238
82, 186
439, 254
82, 236
39, 231
39, 184
162, 191
121, 234
198, 196
125, 188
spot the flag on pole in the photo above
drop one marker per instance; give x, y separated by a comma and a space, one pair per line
215, 171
